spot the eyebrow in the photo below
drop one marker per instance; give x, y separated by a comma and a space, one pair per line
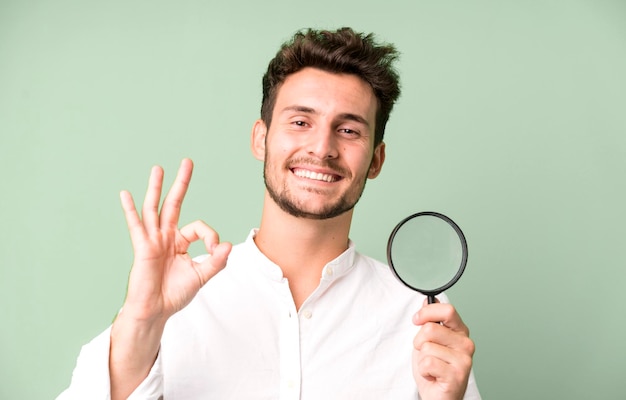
343, 116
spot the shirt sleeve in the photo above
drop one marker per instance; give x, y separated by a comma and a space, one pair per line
91, 380
471, 393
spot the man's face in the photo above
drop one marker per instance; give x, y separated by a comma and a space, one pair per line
319, 150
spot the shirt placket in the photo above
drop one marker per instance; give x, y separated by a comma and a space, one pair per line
295, 327
290, 367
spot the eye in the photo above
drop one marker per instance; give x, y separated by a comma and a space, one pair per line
299, 123
348, 132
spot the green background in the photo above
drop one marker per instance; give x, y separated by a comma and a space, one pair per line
512, 121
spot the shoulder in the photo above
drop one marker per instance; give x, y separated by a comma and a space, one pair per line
377, 277
380, 274
376, 270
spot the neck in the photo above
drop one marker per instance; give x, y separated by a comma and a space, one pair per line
301, 247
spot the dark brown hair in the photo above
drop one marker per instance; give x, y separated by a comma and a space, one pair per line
340, 51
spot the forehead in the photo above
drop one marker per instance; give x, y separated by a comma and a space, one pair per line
327, 93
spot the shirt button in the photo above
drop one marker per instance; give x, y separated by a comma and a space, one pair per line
329, 272
307, 314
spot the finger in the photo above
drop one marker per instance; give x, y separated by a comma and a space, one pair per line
199, 230
150, 210
130, 212
440, 361
170, 211
433, 333
213, 264
433, 368
441, 313
135, 227
218, 252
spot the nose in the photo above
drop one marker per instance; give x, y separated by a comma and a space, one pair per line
323, 144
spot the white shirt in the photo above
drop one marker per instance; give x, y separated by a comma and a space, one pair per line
242, 338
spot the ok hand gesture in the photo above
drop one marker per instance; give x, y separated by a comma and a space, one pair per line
164, 278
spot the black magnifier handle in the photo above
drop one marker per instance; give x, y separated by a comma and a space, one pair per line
432, 300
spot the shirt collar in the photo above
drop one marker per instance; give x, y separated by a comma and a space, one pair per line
333, 270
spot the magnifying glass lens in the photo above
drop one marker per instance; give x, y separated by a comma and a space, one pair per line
427, 252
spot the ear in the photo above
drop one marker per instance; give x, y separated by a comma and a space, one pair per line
257, 141
377, 161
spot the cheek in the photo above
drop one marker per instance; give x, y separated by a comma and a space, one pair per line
277, 157
282, 146
366, 162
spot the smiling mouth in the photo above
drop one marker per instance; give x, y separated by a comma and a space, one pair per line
315, 176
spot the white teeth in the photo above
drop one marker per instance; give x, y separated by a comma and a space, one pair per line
303, 173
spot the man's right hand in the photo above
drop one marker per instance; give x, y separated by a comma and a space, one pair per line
163, 278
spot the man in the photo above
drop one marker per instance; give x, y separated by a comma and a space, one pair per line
294, 312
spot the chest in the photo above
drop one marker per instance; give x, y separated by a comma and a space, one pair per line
344, 343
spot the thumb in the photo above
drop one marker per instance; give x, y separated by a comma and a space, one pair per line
215, 262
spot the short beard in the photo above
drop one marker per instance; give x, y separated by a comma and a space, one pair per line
287, 205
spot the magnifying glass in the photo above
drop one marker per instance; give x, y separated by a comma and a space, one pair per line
427, 252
